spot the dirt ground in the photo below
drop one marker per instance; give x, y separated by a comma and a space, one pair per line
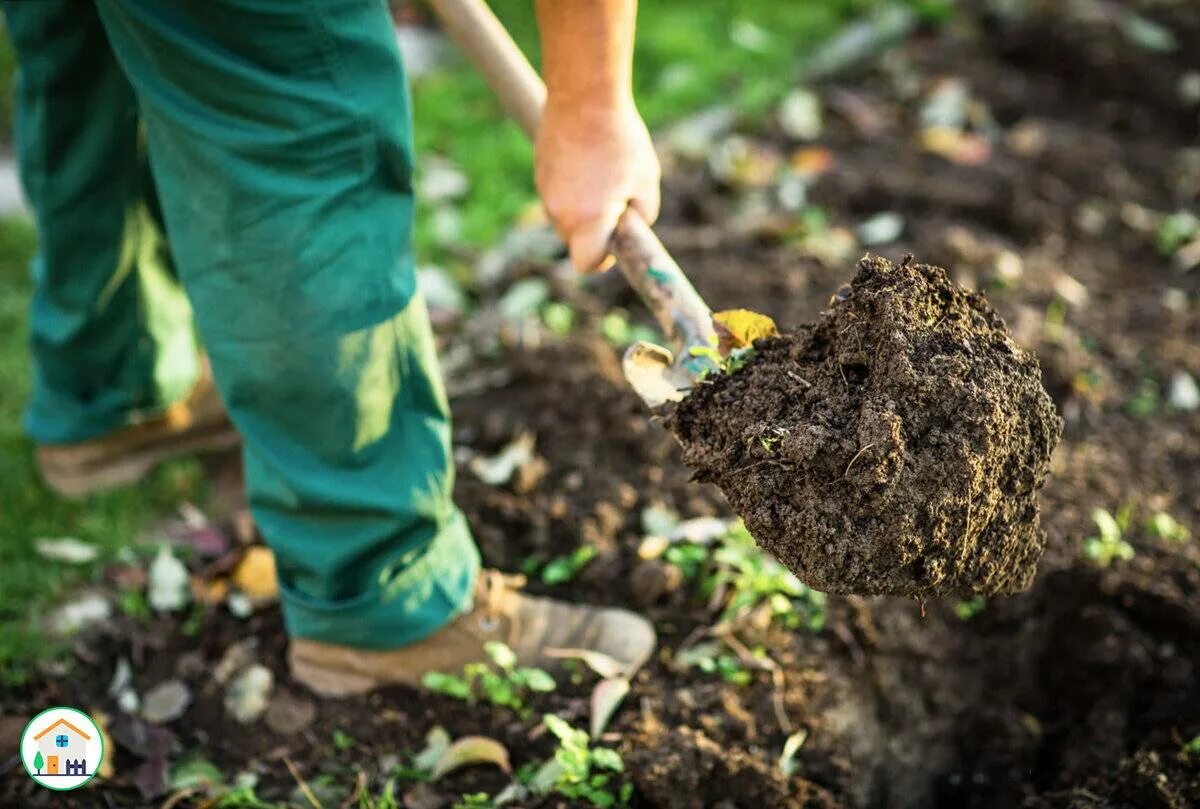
1079, 693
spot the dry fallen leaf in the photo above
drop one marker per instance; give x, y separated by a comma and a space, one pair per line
812, 161
437, 742
739, 328
471, 750
65, 549
606, 698
498, 469
83, 612
167, 588
604, 665
963, 148
209, 591
255, 574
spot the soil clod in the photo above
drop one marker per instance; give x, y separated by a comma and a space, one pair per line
896, 446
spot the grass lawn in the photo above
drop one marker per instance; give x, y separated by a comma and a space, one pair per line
691, 55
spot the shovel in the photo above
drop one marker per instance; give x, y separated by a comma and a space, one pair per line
656, 373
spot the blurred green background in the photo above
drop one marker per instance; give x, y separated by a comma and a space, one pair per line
691, 54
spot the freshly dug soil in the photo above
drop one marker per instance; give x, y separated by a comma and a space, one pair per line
895, 447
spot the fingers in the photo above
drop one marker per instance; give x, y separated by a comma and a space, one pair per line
588, 241
648, 199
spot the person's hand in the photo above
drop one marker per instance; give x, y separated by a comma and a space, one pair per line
591, 161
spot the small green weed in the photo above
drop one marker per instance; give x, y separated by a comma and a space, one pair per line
580, 771
755, 580
966, 610
1176, 230
562, 569
1109, 545
1145, 401
475, 800
713, 658
1192, 748
724, 365
1164, 526
502, 682
749, 579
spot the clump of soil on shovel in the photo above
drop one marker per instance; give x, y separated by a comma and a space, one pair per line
894, 447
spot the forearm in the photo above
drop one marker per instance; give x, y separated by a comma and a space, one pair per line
587, 51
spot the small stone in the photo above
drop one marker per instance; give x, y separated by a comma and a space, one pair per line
246, 698
1183, 393
166, 702
800, 115
288, 714
85, 611
652, 579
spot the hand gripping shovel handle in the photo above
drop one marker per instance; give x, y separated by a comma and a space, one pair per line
645, 263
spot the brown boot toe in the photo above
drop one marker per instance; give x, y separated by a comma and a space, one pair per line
532, 627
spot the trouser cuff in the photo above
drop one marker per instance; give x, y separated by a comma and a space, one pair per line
415, 603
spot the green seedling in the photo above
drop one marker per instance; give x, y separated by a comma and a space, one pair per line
1176, 230
617, 329
342, 740
501, 682
1145, 401
558, 317
756, 580
133, 603
579, 771
689, 557
1192, 748
966, 610
1109, 545
749, 580
475, 800
1164, 526
725, 365
713, 658
769, 442
564, 568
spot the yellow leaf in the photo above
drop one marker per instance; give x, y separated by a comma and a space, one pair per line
255, 574
107, 768
209, 591
738, 328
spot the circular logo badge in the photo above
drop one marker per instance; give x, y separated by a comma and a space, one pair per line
62, 748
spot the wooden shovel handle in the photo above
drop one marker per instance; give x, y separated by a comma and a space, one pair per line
645, 263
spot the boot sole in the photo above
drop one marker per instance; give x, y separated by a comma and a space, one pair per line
328, 682
104, 475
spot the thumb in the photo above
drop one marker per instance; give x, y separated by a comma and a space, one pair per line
588, 244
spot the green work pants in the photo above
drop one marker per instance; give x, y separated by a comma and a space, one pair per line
268, 142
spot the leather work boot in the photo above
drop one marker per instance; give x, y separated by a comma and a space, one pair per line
197, 424
527, 624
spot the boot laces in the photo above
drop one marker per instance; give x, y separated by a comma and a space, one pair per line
492, 593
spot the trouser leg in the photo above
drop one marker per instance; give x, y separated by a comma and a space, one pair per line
279, 139
110, 329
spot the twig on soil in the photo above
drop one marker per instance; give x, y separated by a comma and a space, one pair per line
847, 638
178, 798
300, 782
795, 376
857, 455
360, 787
756, 464
749, 660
